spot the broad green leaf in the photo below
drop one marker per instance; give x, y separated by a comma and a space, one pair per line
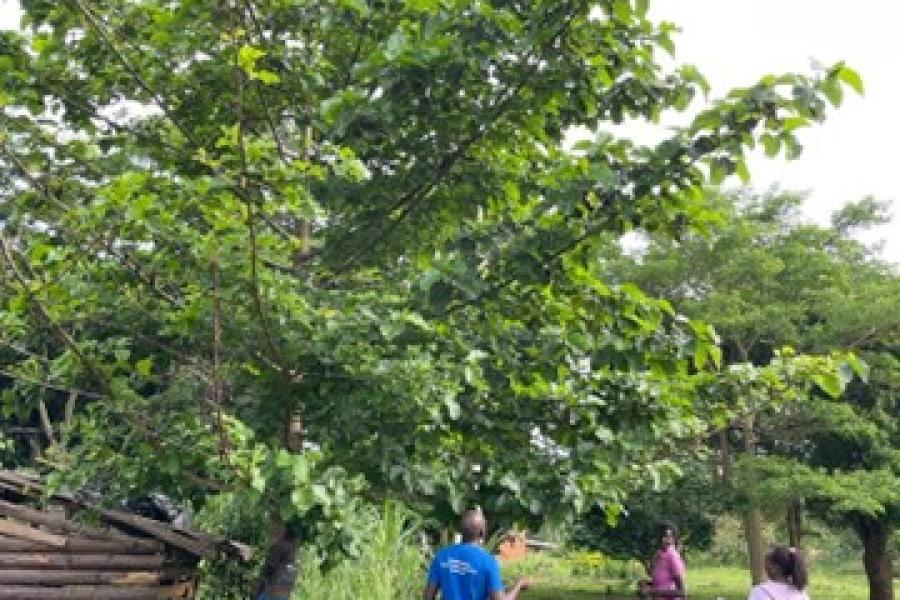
851, 78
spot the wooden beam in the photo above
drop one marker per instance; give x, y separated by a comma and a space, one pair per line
199, 544
22, 531
59, 577
86, 562
181, 590
56, 522
23, 484
75, 545
86, 592
203, 547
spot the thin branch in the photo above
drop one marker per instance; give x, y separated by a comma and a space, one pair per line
250, 12
161, 102
69, 412
48, 384
61, 333
106, 244
45, 421
240, 81
408, 202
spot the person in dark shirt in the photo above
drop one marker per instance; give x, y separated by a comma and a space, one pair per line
465, 571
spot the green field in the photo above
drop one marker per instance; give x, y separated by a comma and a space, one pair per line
555, 580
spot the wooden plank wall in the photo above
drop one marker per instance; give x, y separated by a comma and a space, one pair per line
43, 556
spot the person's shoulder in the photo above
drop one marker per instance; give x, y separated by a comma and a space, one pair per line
490, 561
757, 593
445, 551
672, 555
795, 594
478, 553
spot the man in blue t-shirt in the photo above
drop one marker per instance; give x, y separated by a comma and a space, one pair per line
466, 571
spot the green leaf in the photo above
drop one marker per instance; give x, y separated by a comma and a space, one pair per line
851, 78
701, 355
427, 6
740, 167
833, 91
247, 58
360, 6
830, 383
144, 367
717, 172
771, 144
715, 353
641, 7
622, 10
796, 122
267, 77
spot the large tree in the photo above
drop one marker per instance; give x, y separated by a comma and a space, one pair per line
290, 255
766, 279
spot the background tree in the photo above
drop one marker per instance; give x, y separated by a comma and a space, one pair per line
843, 455
291, 257
766, 279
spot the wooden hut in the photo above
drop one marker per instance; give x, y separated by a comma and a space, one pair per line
71, 549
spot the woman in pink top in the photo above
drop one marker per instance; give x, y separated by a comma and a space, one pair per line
667, 570
786, 571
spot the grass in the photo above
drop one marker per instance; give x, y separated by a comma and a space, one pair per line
825, 583
392, 567
556, 579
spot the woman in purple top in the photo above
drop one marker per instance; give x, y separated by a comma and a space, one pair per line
667, 570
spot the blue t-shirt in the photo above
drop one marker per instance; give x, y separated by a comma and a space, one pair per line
465, 572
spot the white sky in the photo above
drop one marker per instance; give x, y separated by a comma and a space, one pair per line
851, 155
734, 42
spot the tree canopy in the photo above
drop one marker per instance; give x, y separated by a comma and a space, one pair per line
296, 255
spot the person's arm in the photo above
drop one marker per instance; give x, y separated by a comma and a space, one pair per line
432, 584
430, 592
522, 584
495, 583
676, 566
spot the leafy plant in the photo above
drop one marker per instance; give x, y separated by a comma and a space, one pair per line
311, 253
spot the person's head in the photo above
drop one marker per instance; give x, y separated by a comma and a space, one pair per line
668, 535
787, 564
472, 526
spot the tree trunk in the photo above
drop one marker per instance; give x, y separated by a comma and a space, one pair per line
795, 523
725, 457
875, 536
753, 518
755, 552
279, 573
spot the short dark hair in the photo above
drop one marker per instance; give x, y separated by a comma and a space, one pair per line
791, 564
